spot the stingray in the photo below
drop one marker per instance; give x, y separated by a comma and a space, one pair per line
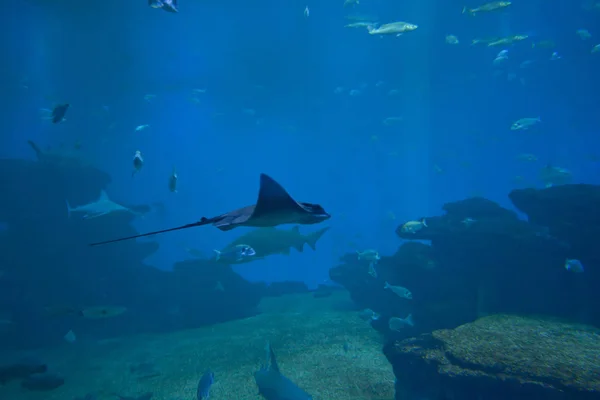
273, 207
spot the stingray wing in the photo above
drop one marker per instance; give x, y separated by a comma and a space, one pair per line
234, 218
274, 204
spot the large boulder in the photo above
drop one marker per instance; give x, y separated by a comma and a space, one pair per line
500, 357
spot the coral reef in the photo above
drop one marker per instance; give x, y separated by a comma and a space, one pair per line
500, 357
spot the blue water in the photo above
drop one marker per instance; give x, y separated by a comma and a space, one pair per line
332, 149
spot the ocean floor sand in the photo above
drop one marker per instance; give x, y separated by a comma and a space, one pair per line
321, 344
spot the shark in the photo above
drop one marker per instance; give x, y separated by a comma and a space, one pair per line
102, 206
273, 207
272, 385
269, 241
61, 158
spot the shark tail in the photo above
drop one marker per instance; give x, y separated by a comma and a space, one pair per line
409, 320
217, 255
313, 238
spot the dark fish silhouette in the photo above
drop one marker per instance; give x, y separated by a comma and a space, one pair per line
273, 207
204, 385
167, 5
58, 113
272, 385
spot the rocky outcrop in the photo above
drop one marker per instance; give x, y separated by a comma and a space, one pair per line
570, 213
481, 259
500, 357
45, 261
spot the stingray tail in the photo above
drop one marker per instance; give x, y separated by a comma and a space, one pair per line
203, 221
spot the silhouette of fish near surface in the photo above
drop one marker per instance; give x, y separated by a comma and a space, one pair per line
272, 385
273, 207
166, 5
203, 392
59, 112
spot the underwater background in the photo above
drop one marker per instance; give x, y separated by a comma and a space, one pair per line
456, 153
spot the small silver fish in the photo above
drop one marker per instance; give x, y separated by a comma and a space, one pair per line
235, 254
140, 128
369, 315
368, 255
399, 291
396, 324
413, 226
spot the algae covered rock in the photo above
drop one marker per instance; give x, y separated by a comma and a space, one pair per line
501, 356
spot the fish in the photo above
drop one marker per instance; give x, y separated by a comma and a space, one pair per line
235, 254
551, 176
368, 255
272, 385
369, 315
396, 324
452, 39
21, 369
507, 40
414, 226
270, 241
103, 206
173, 181
204, 385
399, 291
42, 382
59, 112
306, 12
525, 123
273, 207
574, 265
397, 28
166, 5
495, 5
584, 34
140, 128
467, 222
138, 162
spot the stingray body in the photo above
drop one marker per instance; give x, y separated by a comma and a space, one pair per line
273, 207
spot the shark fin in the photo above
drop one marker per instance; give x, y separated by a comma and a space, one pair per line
217, 255
69, 209
103, 196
